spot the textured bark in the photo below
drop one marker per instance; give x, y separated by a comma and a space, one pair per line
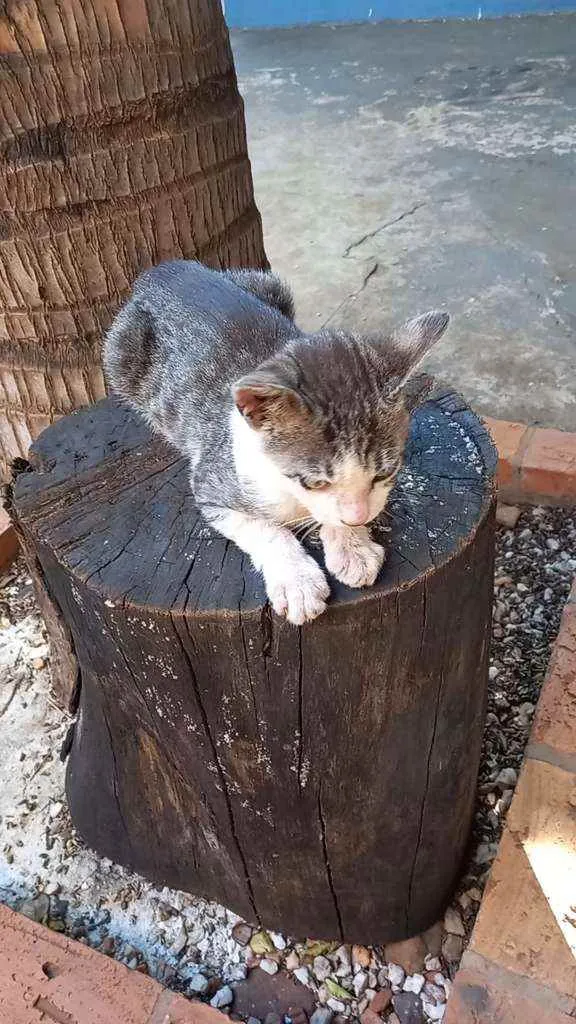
122, 143
319, 780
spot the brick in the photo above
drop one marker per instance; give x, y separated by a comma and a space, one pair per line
44, 976
548, 466
174, 1009
84, 986
525, 920
477, 998
8, 540
555, 721
508, 438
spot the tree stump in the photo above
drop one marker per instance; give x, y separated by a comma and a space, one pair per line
320, 781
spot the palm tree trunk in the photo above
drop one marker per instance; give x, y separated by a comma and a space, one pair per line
122, 143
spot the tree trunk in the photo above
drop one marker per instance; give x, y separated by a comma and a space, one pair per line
318, 780
122, 143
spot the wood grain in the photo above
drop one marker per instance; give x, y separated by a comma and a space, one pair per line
122, 143
319, 780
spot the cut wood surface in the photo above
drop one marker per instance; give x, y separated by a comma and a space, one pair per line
319, 780
122, 143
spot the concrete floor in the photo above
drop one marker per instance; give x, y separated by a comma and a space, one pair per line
400, 167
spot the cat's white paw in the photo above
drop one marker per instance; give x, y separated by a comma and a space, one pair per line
351, 555
297, 591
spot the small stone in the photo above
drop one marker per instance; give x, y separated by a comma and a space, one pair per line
381, 1001
485, 853
253, 1020
507, 515
372, 979
198, 984
432, 938
433, 963
383, 977
270, 966
322, 968
132, 964
55, 809
369, 1017
36, 909
475, 894
293, 961
39, 663
453, 922
336, 1005
369, 994
303, 975
408, 1008
552, 544
52, 888
414, 983
238, 972
493, 672
360, 956
297, 1015
434, 1011
409, 954
433, 993
108, 946
507, 778
322, 1015
452, 948
396, 975
278, 940
261, 943
180, 940
360, 983
242, 933
223, 997
342, 955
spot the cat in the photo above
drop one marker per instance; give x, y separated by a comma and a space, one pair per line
283, 430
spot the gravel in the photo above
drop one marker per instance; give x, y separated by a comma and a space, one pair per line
200, 948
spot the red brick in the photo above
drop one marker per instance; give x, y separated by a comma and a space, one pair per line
477, 998
44, 976
555, 721
548, 466
8, 540
525, 920
508, 438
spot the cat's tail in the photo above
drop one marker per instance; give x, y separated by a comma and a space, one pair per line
266, 286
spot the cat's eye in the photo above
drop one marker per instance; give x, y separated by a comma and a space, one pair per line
388, 476
314, 485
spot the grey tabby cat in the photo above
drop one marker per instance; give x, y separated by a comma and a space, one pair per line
282, 429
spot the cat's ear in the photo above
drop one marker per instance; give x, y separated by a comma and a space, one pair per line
414, 339
267, 399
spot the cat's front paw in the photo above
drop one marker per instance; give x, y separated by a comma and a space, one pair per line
299, 592
351, 555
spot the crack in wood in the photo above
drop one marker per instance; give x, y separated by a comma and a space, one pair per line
327, 864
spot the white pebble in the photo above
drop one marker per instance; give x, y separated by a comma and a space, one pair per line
270, 966
434, 1011
223, 997
278, 940
55, 810
198, 984
302, 974
432, 963
322, 968
336, 1005
396, 975
292, 961
414, 983
360, 983
493, 672
507, 778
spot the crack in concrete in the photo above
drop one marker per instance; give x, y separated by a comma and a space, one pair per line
353, 295
382, 227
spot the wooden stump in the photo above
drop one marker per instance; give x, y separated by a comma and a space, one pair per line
319, 780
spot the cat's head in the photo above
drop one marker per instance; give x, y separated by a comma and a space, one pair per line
329, 413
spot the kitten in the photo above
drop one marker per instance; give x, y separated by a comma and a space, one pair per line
282, 429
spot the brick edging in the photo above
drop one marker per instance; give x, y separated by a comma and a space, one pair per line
45, 975
519, 967
536, 465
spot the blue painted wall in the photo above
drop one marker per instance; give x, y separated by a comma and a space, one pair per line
275, 13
